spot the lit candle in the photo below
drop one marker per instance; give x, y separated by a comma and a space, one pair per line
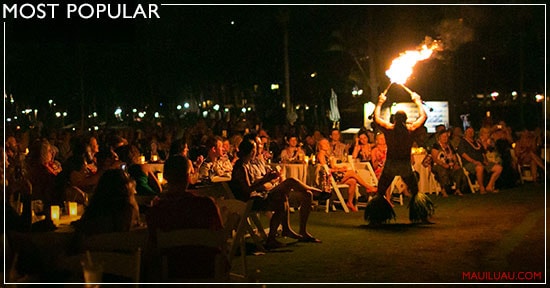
142, 159
55, 213
160, 177
73, 208
306, 158
154, 158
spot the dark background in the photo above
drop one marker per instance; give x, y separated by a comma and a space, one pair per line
194, 52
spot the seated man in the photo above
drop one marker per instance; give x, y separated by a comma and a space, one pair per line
246, 186
179, 209
216, 163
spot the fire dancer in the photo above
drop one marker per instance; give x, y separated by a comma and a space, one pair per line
399, 138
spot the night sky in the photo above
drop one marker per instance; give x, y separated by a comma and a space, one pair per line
194, 50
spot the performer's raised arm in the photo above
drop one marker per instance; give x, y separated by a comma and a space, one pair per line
421, 112
377, 119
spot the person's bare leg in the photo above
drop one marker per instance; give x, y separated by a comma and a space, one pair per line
306, 199
351, 194
497, 169
479, 177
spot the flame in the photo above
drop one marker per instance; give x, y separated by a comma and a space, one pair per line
402, 67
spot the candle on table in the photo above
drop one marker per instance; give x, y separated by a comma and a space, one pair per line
73, 209
54, 213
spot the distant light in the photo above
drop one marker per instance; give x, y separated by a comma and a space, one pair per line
354, 92
95, 114
64, 114
216, 107
480, 96
186, 105
226, 109
297, 107
307, 107
74, 129
243, 110
360, 92
283, 105
232, 22
8, 119
494, 95
274, 86
157, 115
249, 109
178, 107
96, 128
313, 75
161, 104
134, 110
539, 97
14, 117
57, 114
514, 93
90, 116
50, 101
141, 114
483, 58
118, 111
204, 114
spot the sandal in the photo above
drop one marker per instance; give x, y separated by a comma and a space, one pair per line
352, 207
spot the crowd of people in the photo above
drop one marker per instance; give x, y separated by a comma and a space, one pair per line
65, 166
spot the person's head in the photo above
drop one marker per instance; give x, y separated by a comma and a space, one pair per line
214, 146
363, 138
292, 141
439, 128
310, 140
400, 117
113, 186
41, 151
247, 150
323, 144
456, 132
176, 171
442, 136
469, 132
179, 147
335, 135
128, 154
94, 146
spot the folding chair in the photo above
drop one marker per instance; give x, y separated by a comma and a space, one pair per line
336, 187
168, 243
474, 186
525, 173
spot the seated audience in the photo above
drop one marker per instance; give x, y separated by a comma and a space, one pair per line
42, 171
337, 149
446, 167
341, 174
473, 156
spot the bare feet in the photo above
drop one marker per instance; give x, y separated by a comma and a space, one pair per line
444, 194
291, 234
458, 193
352, 207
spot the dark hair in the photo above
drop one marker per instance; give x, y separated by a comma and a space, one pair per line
245, 148
177, 147
211, 142
400, 117
176, 169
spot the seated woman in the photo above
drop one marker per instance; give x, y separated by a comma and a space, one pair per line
378, 154
42, 171
446, 167
112, 208
526, 153
362, 148
292, 152
475, 161
246, 186
341, 174
147, 182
